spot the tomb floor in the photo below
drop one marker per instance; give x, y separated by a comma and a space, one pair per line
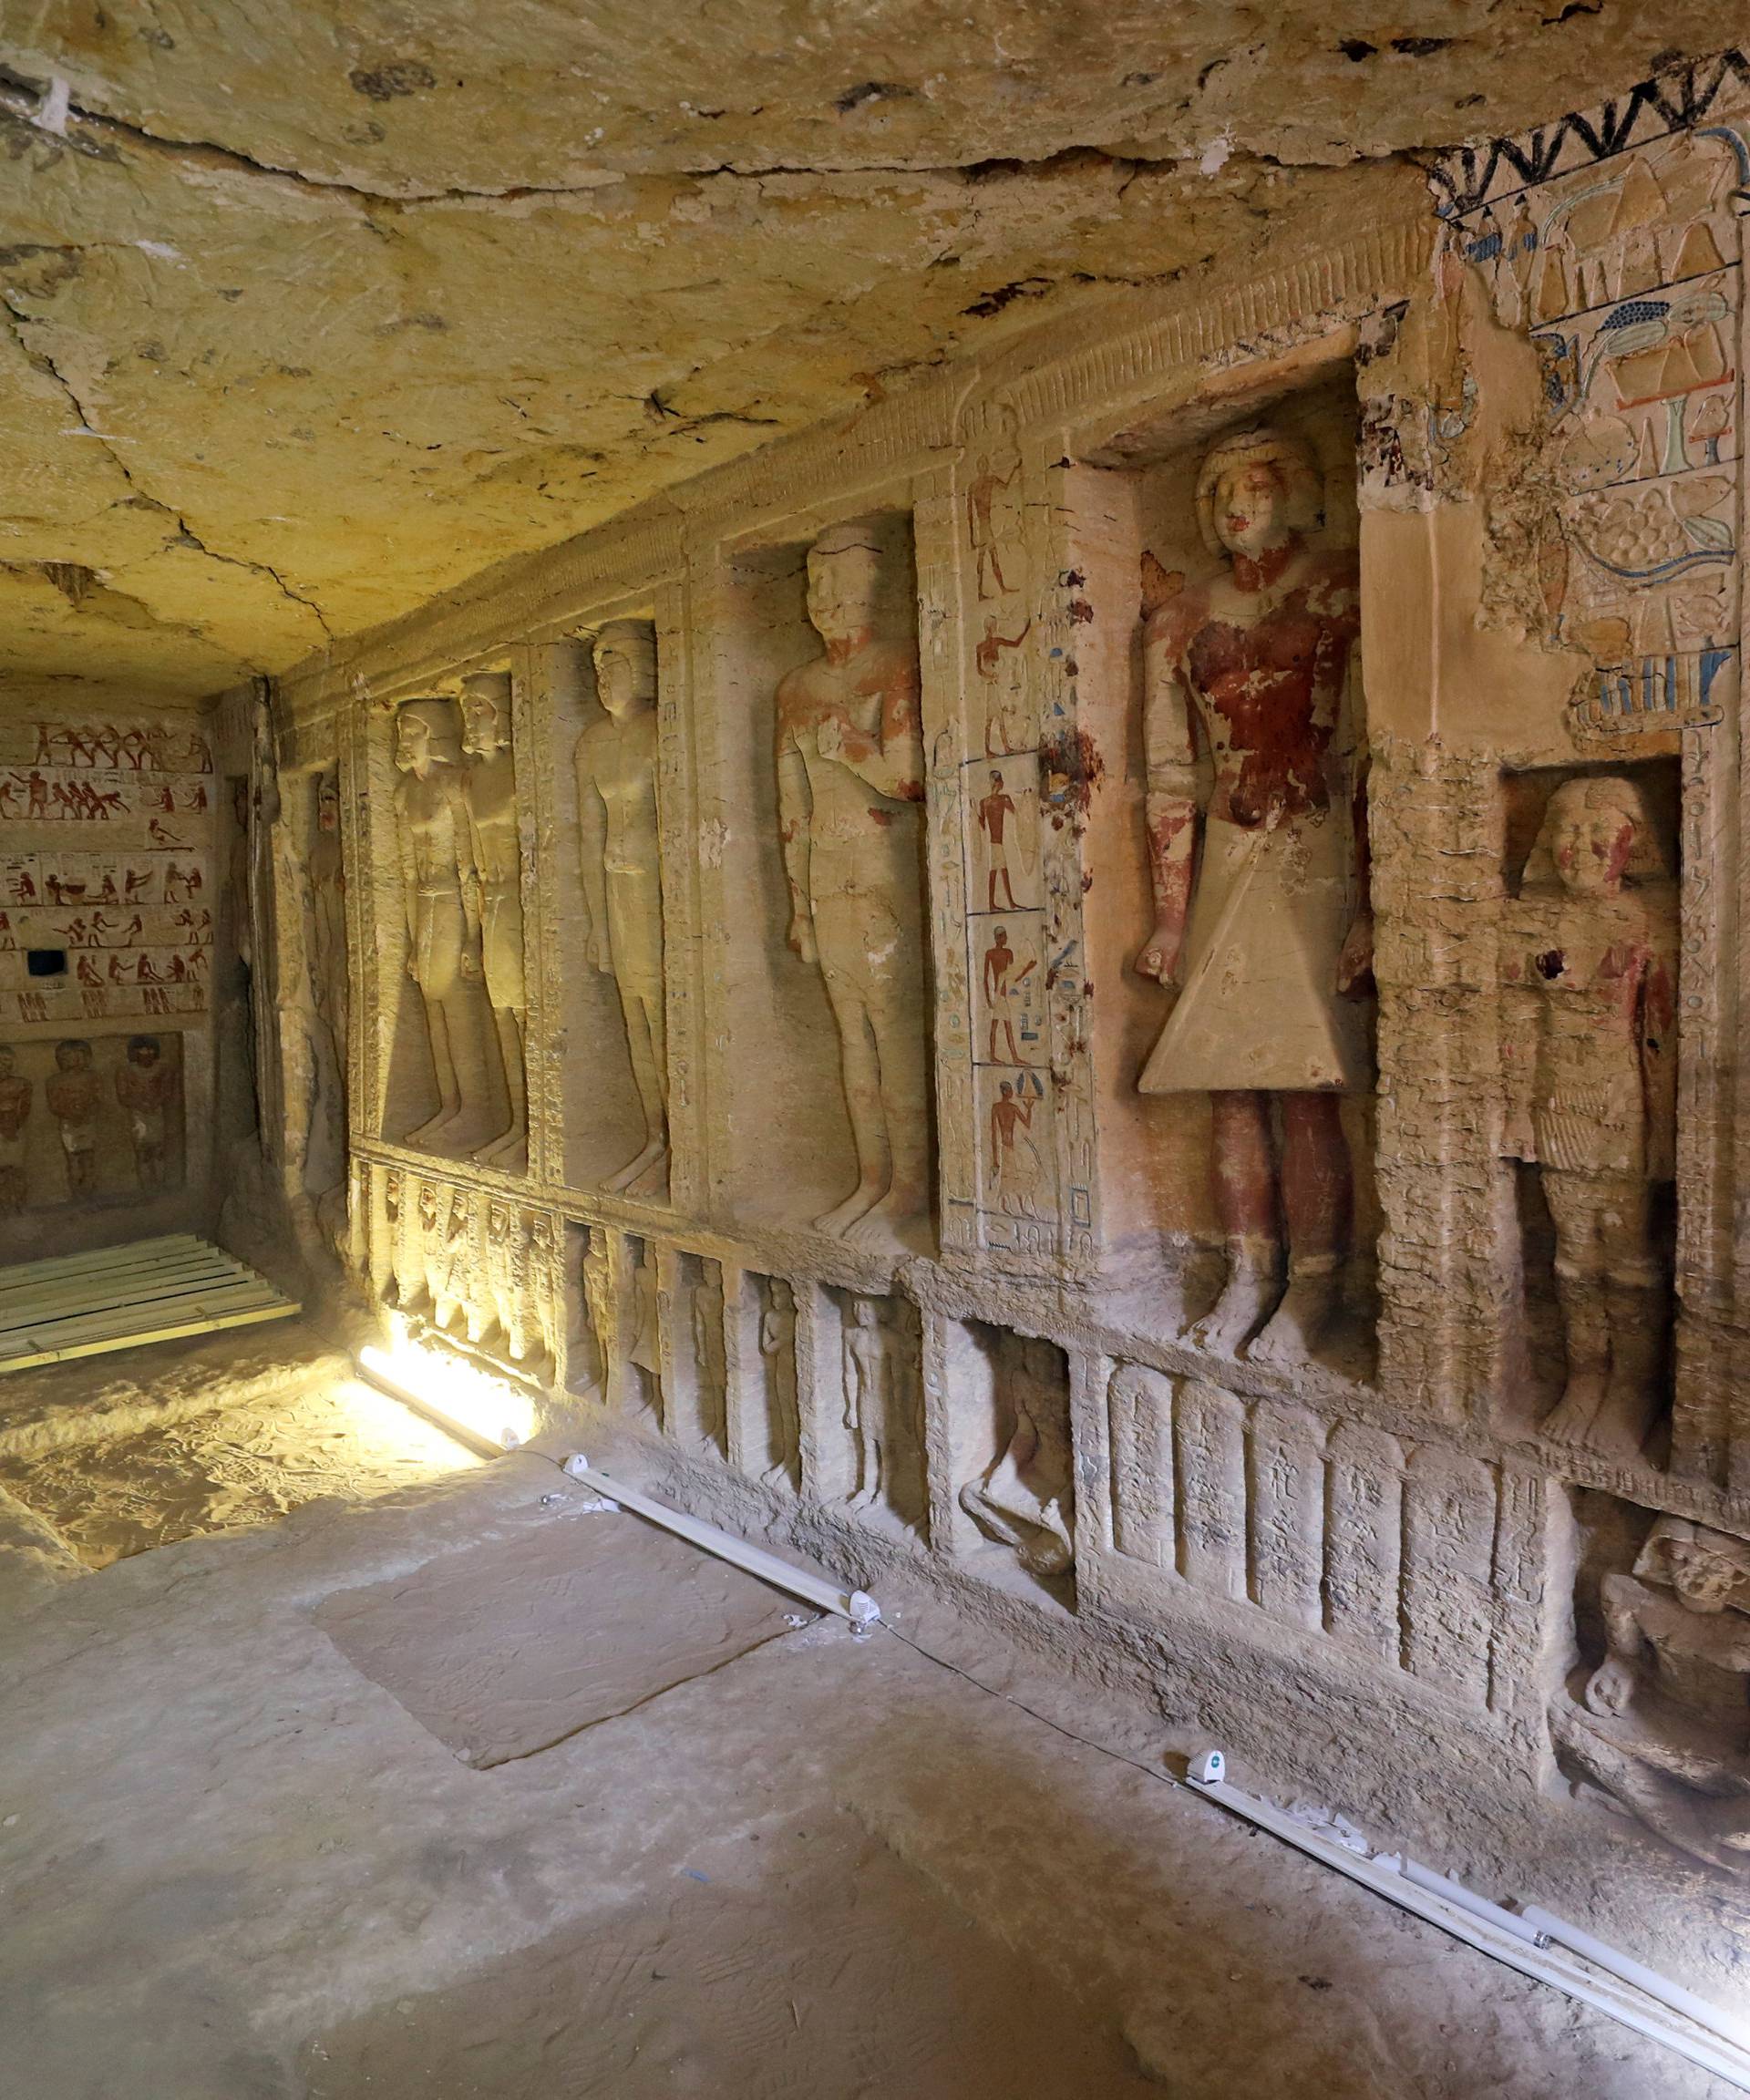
236, 1866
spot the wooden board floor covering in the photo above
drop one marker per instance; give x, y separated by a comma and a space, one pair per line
118, 1297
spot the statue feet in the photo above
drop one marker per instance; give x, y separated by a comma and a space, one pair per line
1247, 1296
509, 1153
887, 1219
1308, 1304
861, 1201
430, 1134
1577, 1416
652, 1157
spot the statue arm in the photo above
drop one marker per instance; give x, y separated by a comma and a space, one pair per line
891, 762
1170, 749
592, 843
795, 808
1656, 1019
1611, 1688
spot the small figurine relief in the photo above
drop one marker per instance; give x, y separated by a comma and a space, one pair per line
146, 1088
15, 1095
493, 898
645, 1355
436, 865
1261, 920
74, 1096
1024, 1499
850, 780
1593, 1080
776, 1300
620, 837
883, 1407
1662, 1729
1018, 1170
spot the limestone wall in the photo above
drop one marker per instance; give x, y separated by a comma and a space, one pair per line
1440, 1489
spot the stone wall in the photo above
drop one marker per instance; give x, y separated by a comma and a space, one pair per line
1340, 1346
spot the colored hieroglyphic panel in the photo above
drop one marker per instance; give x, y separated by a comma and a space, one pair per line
105, 871
1624, 271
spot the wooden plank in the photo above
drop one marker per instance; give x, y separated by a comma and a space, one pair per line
283, 1311
94, 1256
123, 1277
125, 1297
33, 1319
105, 1320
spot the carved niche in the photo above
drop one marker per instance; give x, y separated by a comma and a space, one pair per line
1256, 831
883, 1405
493, 895
620, 846
1589, 1050
1023, 1496
1657, 1725
851, 773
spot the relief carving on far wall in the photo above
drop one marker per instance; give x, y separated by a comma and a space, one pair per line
620, 840
1257, 837
850, 783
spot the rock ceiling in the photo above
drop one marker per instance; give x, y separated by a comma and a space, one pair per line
313, 309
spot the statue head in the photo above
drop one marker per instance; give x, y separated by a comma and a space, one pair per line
72, 1056
327, 803
486, 713
1710, 1571
143, 1051
428, 733
844, 584
624, 653
1596, 835
863, 1312
1257, 490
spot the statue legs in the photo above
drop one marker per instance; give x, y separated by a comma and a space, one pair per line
1315, 1184
510, 1150
1615, 1304
443, 1064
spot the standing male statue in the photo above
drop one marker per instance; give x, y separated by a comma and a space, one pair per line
850, 781
1260, 909
494, 897
435, 860
623, 882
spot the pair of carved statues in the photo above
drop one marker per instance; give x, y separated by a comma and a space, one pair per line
461, 871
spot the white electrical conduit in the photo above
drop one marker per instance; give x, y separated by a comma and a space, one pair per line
856, 1605
1515, 1939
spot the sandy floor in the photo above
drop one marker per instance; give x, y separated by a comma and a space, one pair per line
235, 1866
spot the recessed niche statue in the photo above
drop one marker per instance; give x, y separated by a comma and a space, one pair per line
494, 897
16, 1092
620, 840
436, 864
880, 1401
1025, 1498
1595, 1081
849, 783
146, 1089
1260, 883
1662, 1728
778, 1352
73, 1095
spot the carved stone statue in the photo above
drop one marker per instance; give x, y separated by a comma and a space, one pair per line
1025, 1498
73, 1093
1259, 860
850, 781
146, 1088
435, 866
494, 897
880, 1401
1662, 1727
777, 1352
1594, 1079
622, 888
16, 1093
